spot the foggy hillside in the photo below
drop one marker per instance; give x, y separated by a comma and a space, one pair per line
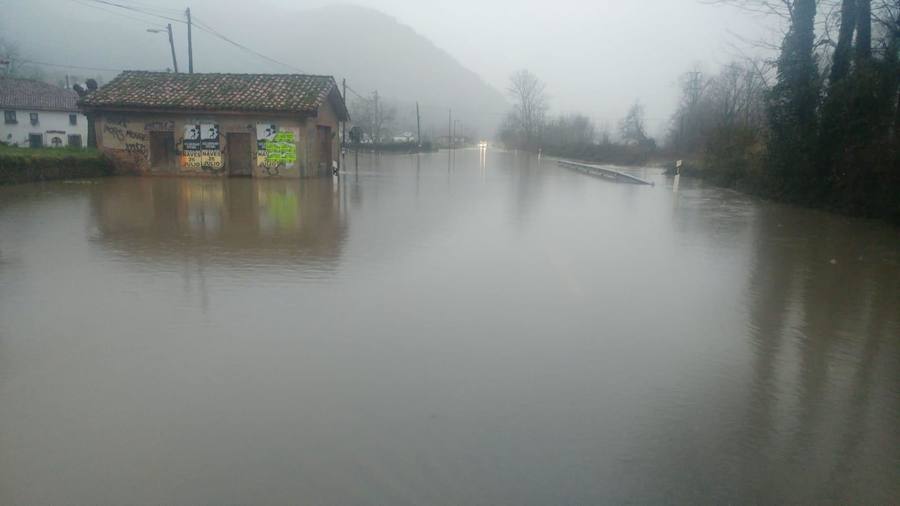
372, 50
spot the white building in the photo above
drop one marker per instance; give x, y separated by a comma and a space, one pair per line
37, 114
405, 137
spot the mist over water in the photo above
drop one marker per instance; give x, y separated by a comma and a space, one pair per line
442, 329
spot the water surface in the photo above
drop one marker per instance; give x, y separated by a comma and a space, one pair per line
435, 330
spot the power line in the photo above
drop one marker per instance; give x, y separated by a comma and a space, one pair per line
116, 13
139, 10
48, 64
150, 7
423, 105
212, 31
351, 90
201, 25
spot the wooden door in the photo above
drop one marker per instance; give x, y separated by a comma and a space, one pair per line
239, 155
324, 139
162, 151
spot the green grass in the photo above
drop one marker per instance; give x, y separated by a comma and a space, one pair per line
24, 165
48, 153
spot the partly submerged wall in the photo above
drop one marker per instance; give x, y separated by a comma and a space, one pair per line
24, 165
219, 144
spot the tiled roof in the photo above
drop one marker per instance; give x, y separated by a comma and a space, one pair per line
213, 92
29, 94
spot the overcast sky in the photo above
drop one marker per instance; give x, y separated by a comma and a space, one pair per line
597, 56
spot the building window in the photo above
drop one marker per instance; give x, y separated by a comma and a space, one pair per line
73, 119
74, 140
34, 118
9, 117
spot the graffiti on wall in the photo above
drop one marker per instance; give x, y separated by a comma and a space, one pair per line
201, 148
276, 149
136, 142
159, 126
117, 134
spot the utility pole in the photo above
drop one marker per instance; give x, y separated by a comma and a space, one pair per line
377, 117
450, 129
454, 133
343, 125
344, 130
418, 126
187, 13
172, 45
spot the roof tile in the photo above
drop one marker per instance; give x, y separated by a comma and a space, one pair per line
29, 94
213, 92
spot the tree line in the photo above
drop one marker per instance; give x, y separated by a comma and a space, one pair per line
528, 127
819, 125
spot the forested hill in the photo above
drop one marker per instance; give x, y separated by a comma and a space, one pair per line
371, 49
378, 53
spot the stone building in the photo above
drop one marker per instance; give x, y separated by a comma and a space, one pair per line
259, 125
37, 114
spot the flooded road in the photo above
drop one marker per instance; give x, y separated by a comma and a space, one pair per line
495, 331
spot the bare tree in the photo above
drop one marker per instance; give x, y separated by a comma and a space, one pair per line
738, 97
530, 106
604, 133
688, 121
569, 130
373, 116
383, 119
632, 127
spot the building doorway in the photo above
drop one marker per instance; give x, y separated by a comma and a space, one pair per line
162, 151
323, 136
239, 161
35, 140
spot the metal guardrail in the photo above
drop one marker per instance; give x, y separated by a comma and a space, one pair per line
604, 172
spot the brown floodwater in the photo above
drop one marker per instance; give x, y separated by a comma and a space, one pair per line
495, 330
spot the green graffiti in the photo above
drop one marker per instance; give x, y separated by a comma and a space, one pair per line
284, 136
281, 149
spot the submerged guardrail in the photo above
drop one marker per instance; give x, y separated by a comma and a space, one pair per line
604, 172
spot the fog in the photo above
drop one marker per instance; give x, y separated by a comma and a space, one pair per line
567, 252
595, 57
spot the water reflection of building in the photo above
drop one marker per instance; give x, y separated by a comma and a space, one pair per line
270, 221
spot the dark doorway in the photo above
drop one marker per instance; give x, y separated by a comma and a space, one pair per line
35, 140
239, 162
162, 151
323, 134
74, 141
